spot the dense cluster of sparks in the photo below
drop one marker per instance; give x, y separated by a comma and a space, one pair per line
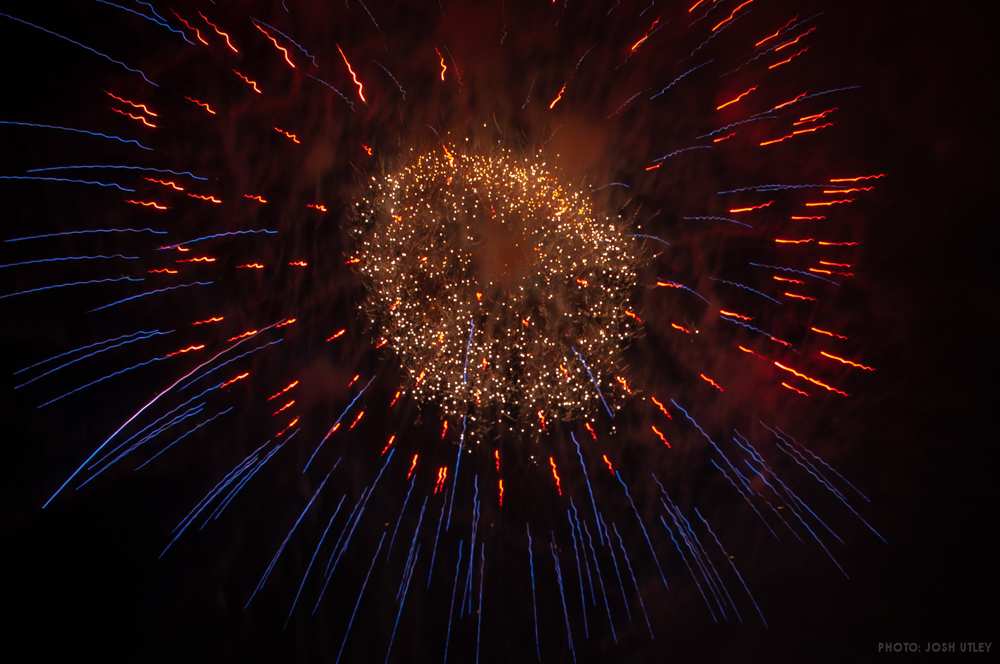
498, 287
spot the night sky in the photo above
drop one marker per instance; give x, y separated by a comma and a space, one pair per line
83, 578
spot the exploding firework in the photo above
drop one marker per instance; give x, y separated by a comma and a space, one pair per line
599, 267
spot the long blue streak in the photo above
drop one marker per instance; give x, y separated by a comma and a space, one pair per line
600, 581
274, 560
295, 43
154, 333
747, 326
95, 183
312, 561
756, 118
83, 46
775, 187
681, 151
327, 576
802, 504
65, 259
651, 237
745, 497
437, 535
454, 482
479, 614
195, 379
642, 525
402, 603
343, 413
467, 591
154, 21
618, 575
562, 596
792, 270
601, 533
87, 231
213, 236
694, 577
583, 547
67, 284
778, 495
635, 584
73, 130
713, 218
331, 87
679, 79
361, 594
196, 410
402, 511
115, 167
534, 600
101, 380
165, 23
822, 461
451, 609
416, 532
594, 382
151, 292
214, 491
686, 525
225, 502
733, 565
683, 287
138, 335
748, 289
183, 436
579, 574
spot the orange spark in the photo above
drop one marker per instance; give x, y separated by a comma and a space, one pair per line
838, 201
680, 328
207, 198
350, 70
137, 118
807, 218
805, 119
737, 98
828, 333
219, 32
444, 429
209, 321
860, 178
196, 259
319, 207
285, 323
388, 444
789, 102
353, 380
197, 33
695, 6
357, 418
631, 314
284, 51
444, 67
284, 408
812, 380
724, 138
395, 398
856, 365
825, 243
234, 379
500, 492
142, 107
555, 475
794, 389
291, 424
653, 167
541, 419
299, 263
607, 462
733, 314
711, 382
283, 390
336, 335
659, 434
850, 190
751, 208
165, 183
289, 135
369, 150
775, 34
202, 104
805, 240
558, 97
797, 296
255, 197
250, 266
787, 279
413, 466
590, 430
644, 37
242, 335
162, 270
663, 409
731, 16
148, 204
789, 58
249, 81
794, 41
187, 349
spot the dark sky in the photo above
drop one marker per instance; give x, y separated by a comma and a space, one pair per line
83, 578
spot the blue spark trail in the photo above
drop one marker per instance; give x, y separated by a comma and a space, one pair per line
312, 560
650, 237
203, 238
437, 534
601, 533
341, 417
331, 87
95, 134
677, 284
600, 580
141, 335
694, 577
747, 326
295, 43
579, 574
825, 464
95, 183
745, 497
85, 232
642, 526
679, 78
467, 591
562, 595
709, 563
479, 614
631, 572
451, 609
348, 525
274, 560
402, 511
803, 273
361, 593
402, 603
714, 218
416, 530
67, 284
534, 600
122, 167
733, 565
109, 376
83, 46
594, 382
746, 288
756, 118
227, 501
775, 187
681, 151
194, 380
618, 575
150, 292
184, 435
454, 482
65, 259
583, 547
154, 21
166, 24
